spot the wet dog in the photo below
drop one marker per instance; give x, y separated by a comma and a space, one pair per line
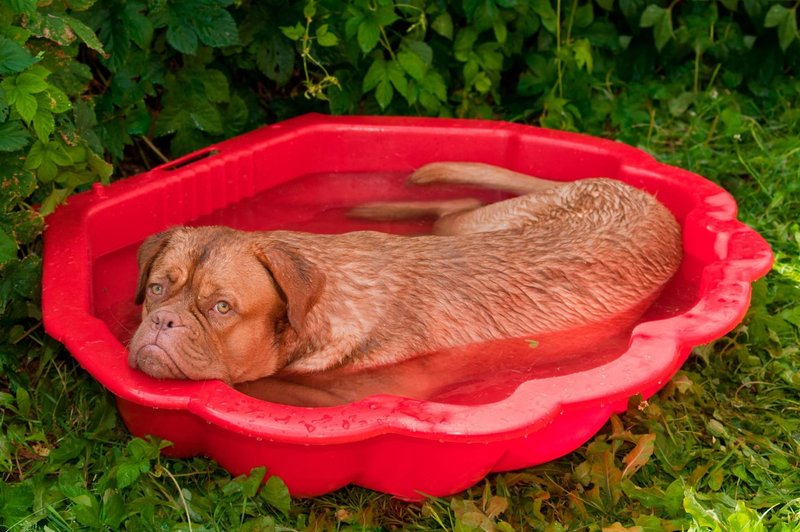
238, 306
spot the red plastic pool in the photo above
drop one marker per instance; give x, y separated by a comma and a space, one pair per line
304, 174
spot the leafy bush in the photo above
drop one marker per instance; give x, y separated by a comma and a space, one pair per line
93, 90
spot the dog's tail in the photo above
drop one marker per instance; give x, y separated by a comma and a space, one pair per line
480, 175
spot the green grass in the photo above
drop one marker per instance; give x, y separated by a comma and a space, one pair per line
716, 449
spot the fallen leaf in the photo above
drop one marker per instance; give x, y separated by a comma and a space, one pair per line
639, 455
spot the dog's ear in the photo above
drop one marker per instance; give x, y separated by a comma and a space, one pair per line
146, 256
300, 281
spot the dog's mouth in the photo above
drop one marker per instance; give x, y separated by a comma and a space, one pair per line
156, 362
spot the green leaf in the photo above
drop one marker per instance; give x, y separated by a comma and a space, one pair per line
787, 30
138, 25
702, 516
443, 25
309, 10
326, 38
490, 56
68, 449
52, 27
398, 78
608, 5
8, 248
422, 49
678, 105
384, 93
54, 199
35, 156
651, 498
144, 450
84, 33
662, 31
87, 510
584, 16
127, 473
375, 74
54, 100
295, 32
31, 82
26, 7
544, 9
435, 85
204, 115
429, 102
47, 171
214, 26
482, 83
276, 494
652, 15
182, 37
138, 121
275, 58
262, 523
26, 105
216, 85
368, 34
385, 15
13, 136
247, 485
776, 15
746, 519
465, 40
56, 152
44, 124
13, 57
171, 119
80, 5
412, 63
500, 31
582, 51
100, 167
113, 510
23, 400
354, 19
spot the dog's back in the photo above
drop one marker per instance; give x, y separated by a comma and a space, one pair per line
562, 255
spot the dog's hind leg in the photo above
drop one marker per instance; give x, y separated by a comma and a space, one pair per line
403, 210
480, 175
537, 197
464, 216
514, 213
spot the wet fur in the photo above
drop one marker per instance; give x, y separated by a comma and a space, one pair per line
560, 256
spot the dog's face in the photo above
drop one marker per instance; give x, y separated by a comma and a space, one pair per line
217, 304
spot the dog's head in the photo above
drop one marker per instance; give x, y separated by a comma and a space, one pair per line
219, 304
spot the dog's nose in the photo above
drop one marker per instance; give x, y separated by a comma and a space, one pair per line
165, 319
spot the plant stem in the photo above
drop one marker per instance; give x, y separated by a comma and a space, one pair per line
155, 149
180, 493
559, 65
571, 20
385, 43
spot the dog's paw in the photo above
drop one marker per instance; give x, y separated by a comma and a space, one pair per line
431, 173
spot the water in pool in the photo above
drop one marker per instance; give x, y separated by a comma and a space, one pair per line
471, 374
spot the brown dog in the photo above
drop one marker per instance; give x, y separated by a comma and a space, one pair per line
238, 306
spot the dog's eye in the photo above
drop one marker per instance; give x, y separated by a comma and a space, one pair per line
223, 307
156, 289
